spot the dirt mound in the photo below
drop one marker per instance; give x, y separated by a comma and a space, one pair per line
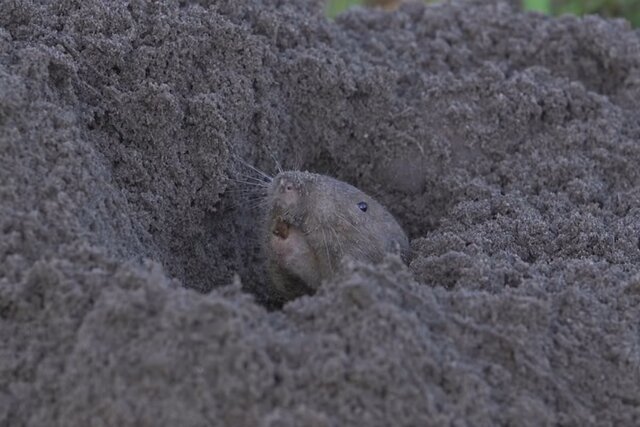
507, 144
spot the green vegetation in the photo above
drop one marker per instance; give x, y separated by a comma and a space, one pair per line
336, 6
629, 9
539, 5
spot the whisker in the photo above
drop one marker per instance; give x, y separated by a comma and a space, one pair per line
248, 191
297, 163
245, 201
244, 177
258, 202
254, 178
349, 223
337, 240
278, 165
357, 238
326, 247
252, 183
241, 194
254, 209
253, 168
246, 194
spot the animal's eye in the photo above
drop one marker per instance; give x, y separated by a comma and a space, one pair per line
363, 206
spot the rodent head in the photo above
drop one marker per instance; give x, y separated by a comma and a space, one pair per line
324, 220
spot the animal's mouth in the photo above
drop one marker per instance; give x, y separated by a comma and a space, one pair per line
281, 228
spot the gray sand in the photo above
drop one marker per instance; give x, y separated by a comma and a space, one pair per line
131, 288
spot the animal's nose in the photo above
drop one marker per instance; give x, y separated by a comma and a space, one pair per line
286, 186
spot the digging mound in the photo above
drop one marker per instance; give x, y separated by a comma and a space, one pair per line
505, 143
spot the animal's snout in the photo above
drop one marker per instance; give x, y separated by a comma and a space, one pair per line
286, 186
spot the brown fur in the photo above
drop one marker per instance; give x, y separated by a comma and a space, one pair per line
313, 223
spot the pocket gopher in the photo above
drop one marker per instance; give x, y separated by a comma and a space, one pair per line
313, 222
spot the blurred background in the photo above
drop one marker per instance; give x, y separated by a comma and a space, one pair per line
629, 9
